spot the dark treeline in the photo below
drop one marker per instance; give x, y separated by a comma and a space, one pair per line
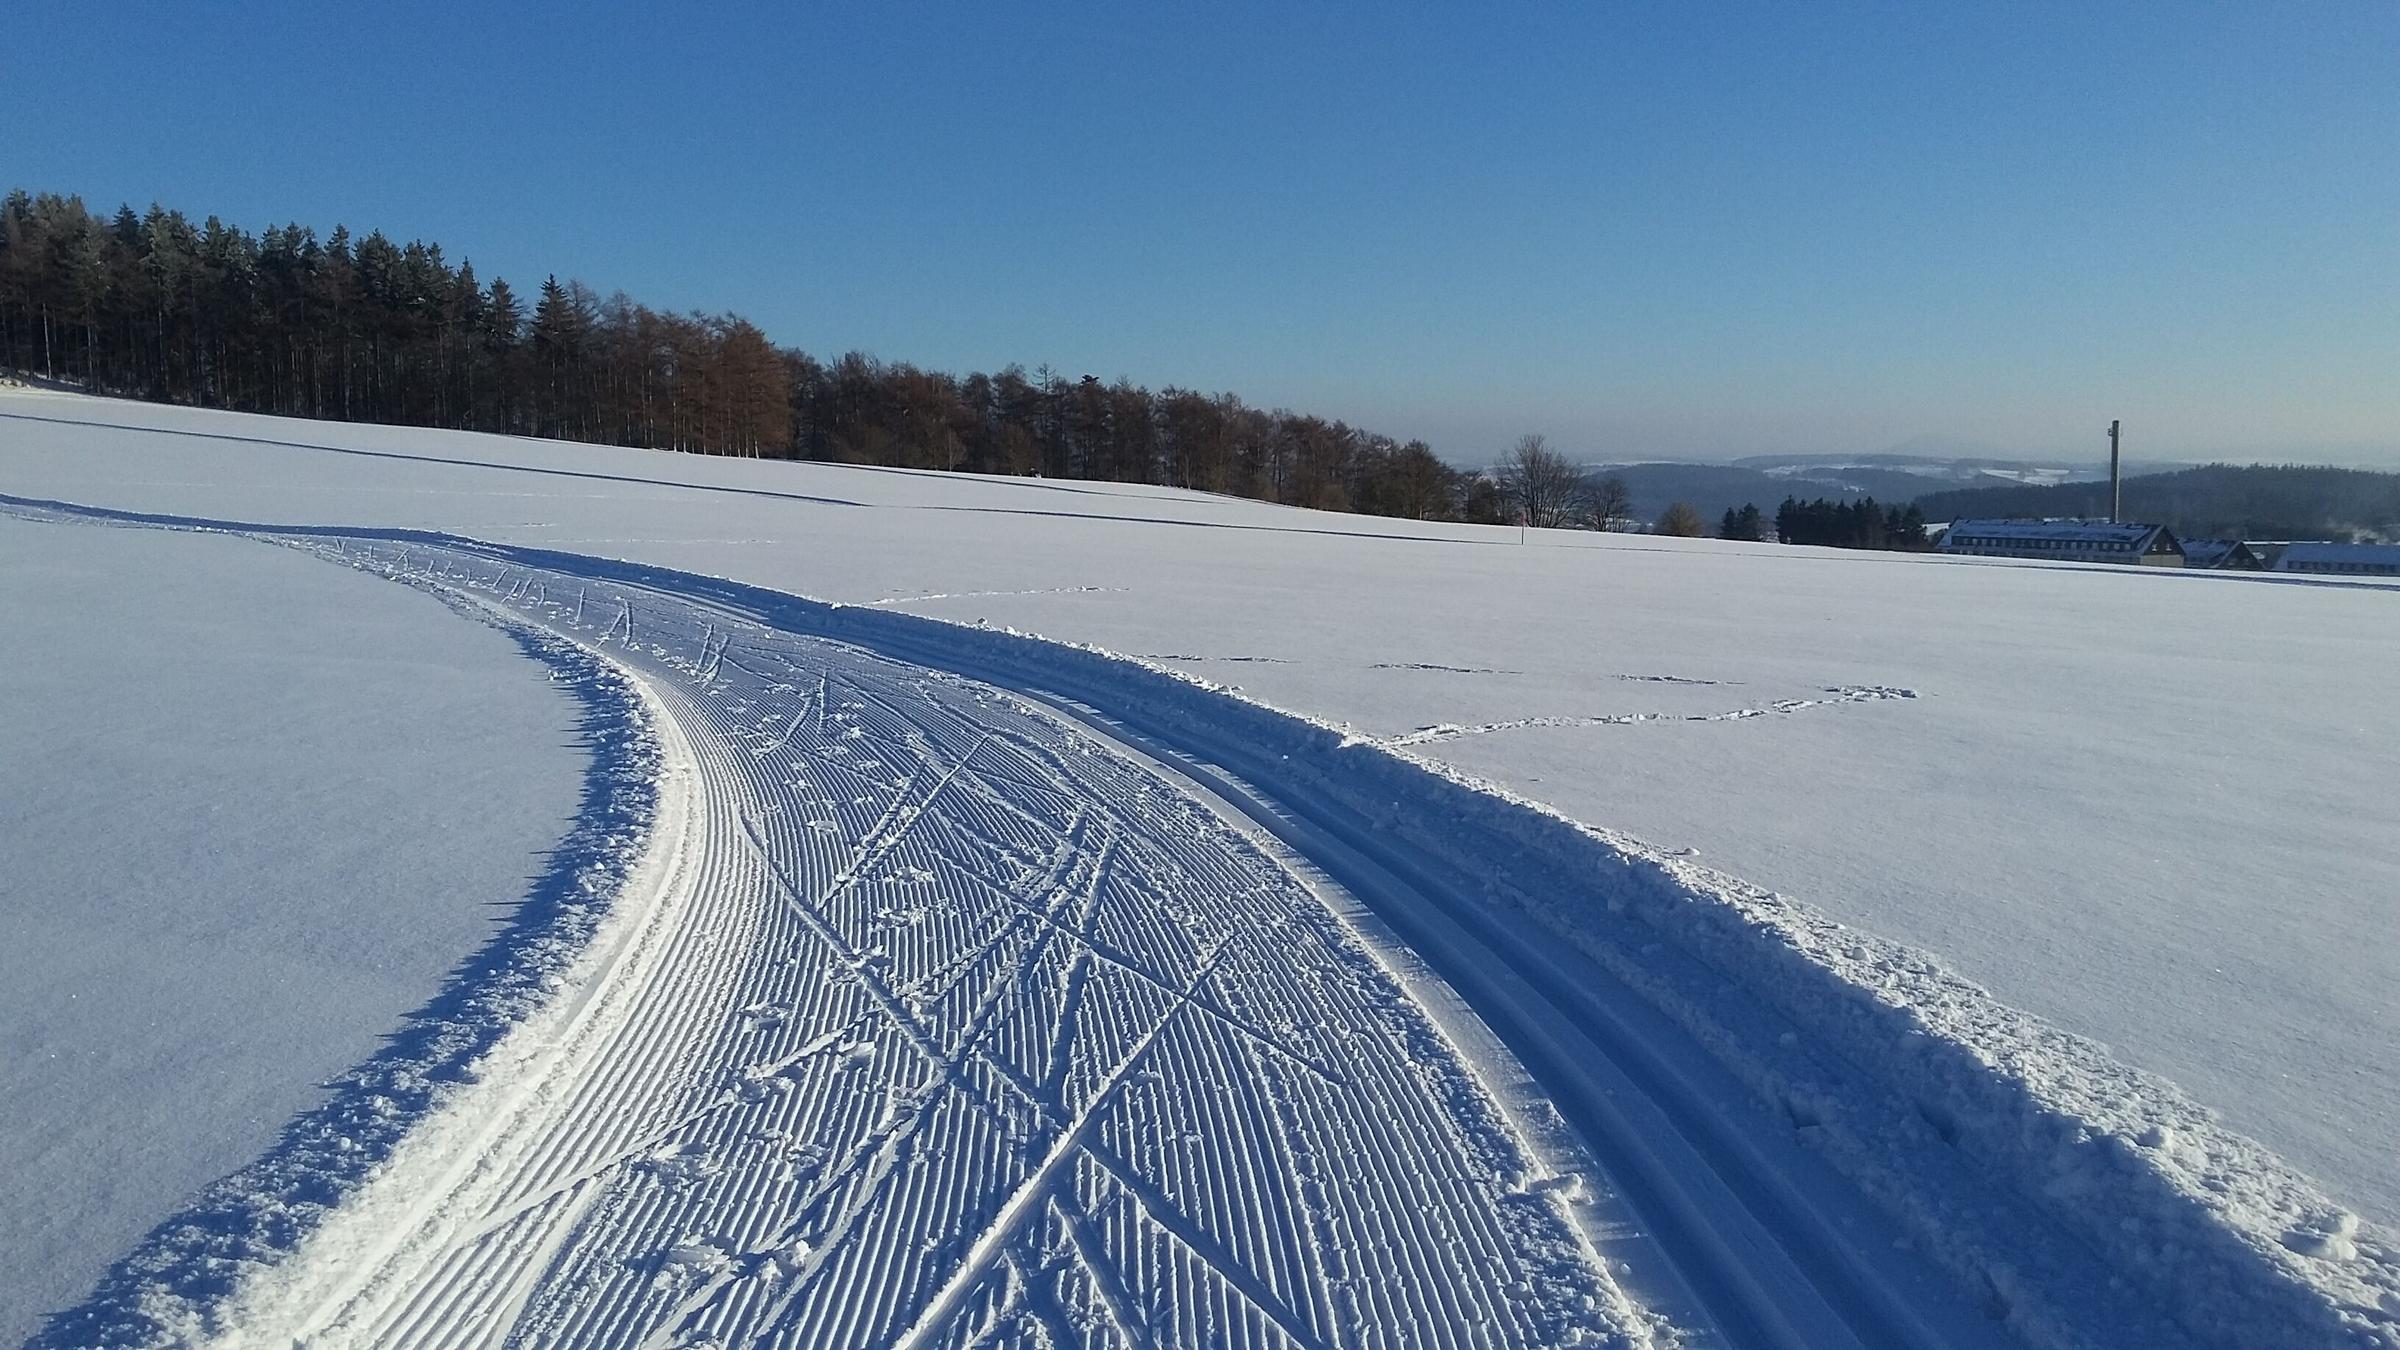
2213, 501
1745, 524
153, 306
1859, 524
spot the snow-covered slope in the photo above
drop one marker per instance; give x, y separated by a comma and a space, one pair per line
218, 765
2004, 756
2141, 805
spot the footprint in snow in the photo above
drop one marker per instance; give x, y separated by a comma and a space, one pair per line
756, 1086
765, 1016
692, 1260
680, 1164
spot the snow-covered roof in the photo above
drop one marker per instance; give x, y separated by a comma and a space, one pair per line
2079, 531
2380, 555
2210, 552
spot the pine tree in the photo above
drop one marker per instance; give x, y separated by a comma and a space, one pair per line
561, 321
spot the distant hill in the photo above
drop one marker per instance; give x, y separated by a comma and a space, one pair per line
1715, 487
2213, 501
1890, 476
1961, 470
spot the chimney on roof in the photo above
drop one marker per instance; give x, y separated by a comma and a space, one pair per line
2116, 478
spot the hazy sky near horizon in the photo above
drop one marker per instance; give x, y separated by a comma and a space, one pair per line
1647, 230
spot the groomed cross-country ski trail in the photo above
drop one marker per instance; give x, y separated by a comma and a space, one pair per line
975, 990
929, 1020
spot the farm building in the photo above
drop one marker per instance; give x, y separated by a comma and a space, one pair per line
2230, 555
2351, 560
2064, 541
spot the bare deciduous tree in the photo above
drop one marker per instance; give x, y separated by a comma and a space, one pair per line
1612, 504
1544, 486
1683, 521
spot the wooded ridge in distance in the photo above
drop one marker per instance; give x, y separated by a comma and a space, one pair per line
2212, 501
364, 329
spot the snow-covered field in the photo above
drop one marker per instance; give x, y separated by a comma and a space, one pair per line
2142, 807
219, 765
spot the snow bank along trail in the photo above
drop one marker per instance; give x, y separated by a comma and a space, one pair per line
930, 1021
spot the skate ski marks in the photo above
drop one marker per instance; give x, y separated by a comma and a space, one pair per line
932, 1020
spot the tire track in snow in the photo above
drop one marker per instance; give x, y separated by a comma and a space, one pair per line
934, 1020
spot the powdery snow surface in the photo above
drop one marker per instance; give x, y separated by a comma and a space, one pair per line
2130, 802
218, 767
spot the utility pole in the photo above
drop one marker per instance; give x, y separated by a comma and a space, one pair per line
2116, 477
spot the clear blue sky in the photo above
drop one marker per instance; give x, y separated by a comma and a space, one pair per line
1660, 229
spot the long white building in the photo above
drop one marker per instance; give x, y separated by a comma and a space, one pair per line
2354, 560
2064, 541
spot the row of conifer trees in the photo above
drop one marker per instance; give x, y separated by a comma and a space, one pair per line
152, 305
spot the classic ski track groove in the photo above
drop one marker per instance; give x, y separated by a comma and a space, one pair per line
938, 1020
